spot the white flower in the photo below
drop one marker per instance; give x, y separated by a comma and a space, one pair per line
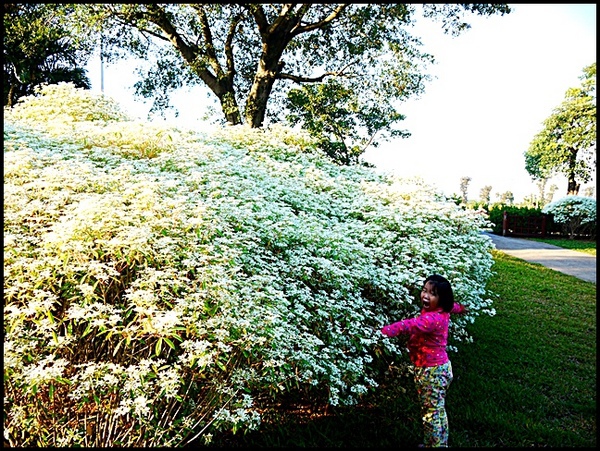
265, 258
141, 406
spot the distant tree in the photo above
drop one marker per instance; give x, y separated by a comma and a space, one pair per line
531, 201
553, 189
506, 198
464, 187
589, 191
37, 49
567, 144
249, 55
541, 184
484, 194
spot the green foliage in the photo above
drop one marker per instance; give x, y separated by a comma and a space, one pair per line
250, 55
581, 245
567, 143
496, 214
576, 214
506, 197
481, 206
484, 194
38, 49
155, 299
334, 115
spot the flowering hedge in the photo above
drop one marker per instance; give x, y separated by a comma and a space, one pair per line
162, 284
576, 214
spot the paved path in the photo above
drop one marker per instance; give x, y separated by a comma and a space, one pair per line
578, 264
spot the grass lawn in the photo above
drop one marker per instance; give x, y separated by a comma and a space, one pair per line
587, 246
527, 380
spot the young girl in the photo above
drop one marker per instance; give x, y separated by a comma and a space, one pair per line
428, 336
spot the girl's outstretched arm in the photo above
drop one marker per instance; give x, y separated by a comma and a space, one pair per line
422, 323
458, 309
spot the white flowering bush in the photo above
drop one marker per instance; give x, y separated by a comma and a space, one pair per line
153, 297
576, 214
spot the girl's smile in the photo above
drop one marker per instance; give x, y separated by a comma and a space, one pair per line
429, 297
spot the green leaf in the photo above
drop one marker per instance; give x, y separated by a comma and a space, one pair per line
87, 330
169, 342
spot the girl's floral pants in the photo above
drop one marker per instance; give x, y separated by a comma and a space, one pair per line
432, 383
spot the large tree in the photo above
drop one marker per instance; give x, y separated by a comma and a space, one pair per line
567, 143
343, 123
38, 48
251, 55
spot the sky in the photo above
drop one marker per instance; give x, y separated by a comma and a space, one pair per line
493, 87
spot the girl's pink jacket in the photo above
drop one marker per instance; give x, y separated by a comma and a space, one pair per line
428, 335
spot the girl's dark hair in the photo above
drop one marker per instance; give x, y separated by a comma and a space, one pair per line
443, 289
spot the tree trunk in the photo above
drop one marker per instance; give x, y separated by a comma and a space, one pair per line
221, 86
230, 108
268, 67
573, 186
256, 105
224, 90
11, 96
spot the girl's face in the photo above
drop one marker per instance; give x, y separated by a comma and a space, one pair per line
429, 297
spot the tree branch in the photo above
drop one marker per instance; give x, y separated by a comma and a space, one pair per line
129, 20
282, 18
158, 17
260, 18
298, 79
299, 29
229, 45
369, 142
208, 40
190, 53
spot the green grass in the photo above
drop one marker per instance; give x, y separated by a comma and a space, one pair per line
530, 377
527, 380
587, 246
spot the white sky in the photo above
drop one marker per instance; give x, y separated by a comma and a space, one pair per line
494, 85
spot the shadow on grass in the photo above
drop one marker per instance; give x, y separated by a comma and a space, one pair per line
387, 417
